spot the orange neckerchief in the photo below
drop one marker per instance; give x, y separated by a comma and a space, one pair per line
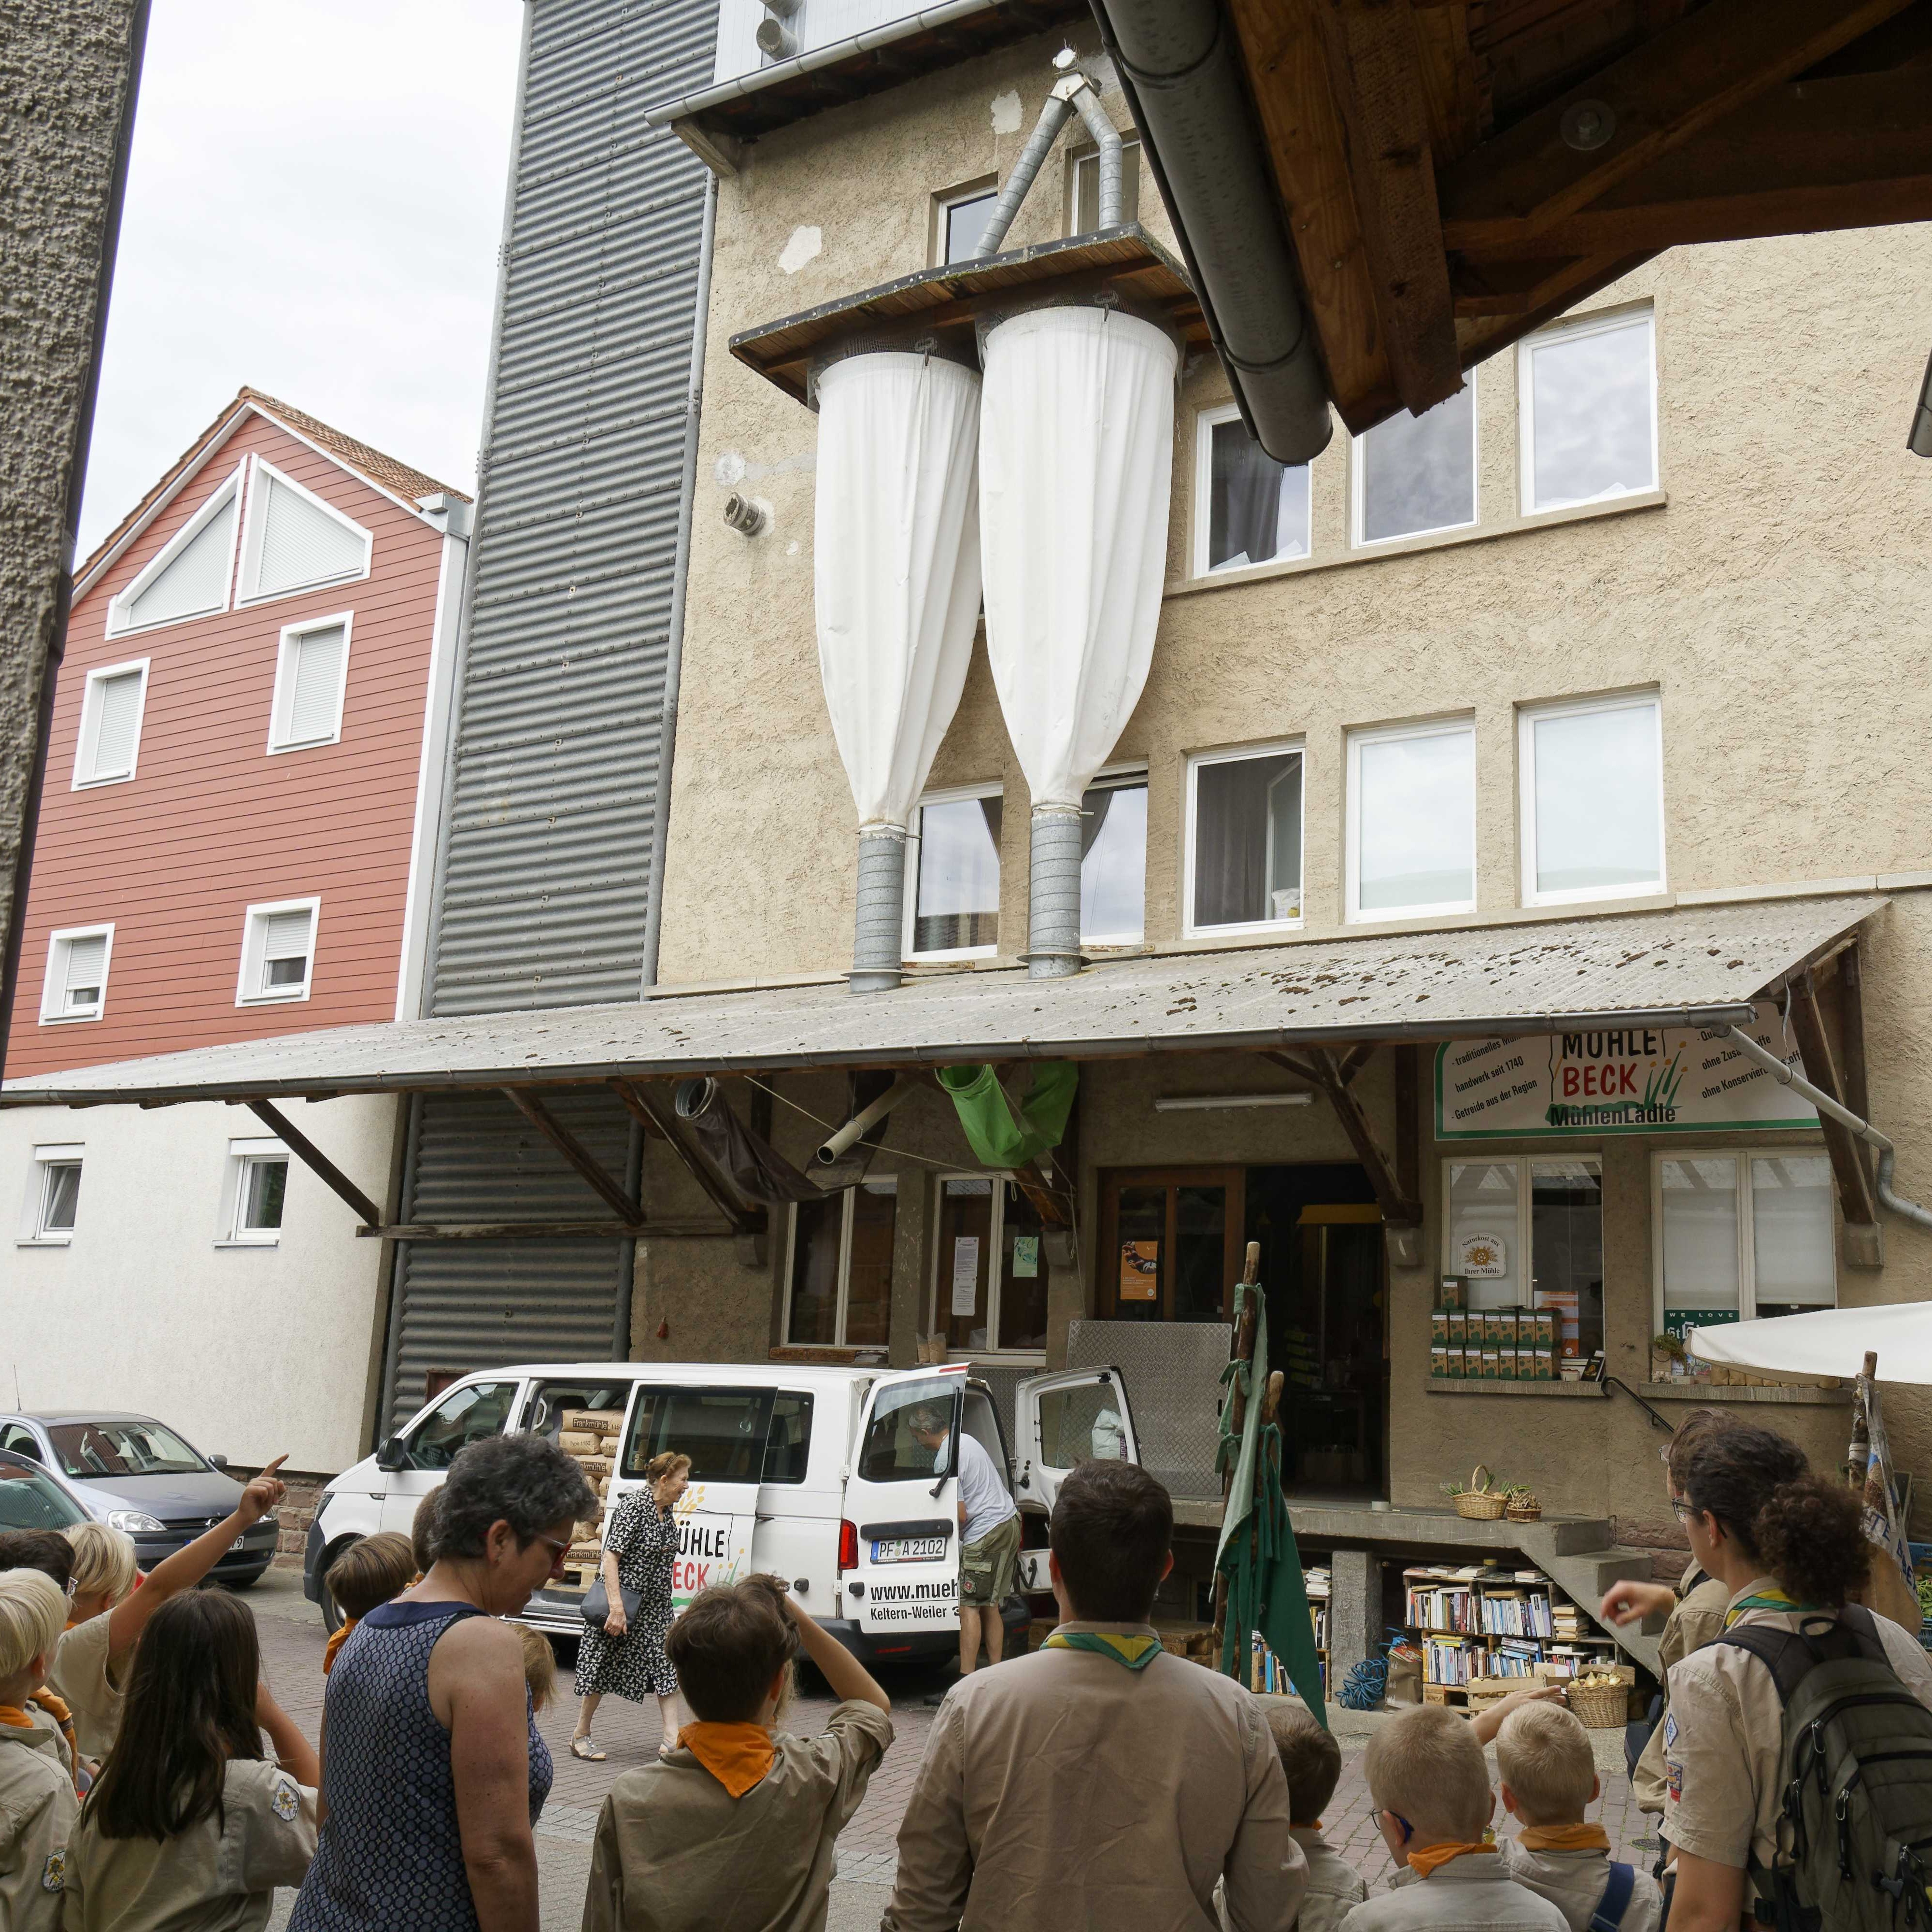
1437, 1856
737, 1755
1565, 1838
11, 1714
336, 1642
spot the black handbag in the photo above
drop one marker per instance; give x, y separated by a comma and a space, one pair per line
597, 1605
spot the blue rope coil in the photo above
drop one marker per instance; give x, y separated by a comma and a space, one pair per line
1362, 1690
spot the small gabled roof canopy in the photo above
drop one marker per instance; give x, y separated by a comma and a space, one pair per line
1692, 966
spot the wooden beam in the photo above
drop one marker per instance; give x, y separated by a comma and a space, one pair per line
542, 1231
645, 1107
610, 1192
1478, 336
1375, 73
1409, 1120
1398, 1208
1673, 86
1854, 1192
1355, 1059
313, 1158
1850, 152
1851, 1037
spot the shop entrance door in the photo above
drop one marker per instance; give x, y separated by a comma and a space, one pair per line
1171, 1241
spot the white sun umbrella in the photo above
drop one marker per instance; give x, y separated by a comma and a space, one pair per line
1076, 458
896, 572
1827, 1342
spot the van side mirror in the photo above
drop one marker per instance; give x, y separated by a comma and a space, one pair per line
393, 1456
217, 1462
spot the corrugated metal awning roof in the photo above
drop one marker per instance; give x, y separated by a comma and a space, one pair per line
1688, 966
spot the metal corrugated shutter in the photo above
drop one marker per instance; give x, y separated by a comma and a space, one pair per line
464, 1305
545, 874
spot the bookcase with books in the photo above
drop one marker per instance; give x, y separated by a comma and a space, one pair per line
1267, 1675
1479, 1625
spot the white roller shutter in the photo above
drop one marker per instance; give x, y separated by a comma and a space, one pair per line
314, 673
302, 544
86, 973
194, 580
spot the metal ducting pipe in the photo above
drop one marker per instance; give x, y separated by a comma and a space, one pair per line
1887, 1154
880, 933
1053, 116
1053, 892
1107, 139
867, 1118
1184, 86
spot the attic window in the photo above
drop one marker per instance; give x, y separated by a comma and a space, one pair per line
190, 577
295, 542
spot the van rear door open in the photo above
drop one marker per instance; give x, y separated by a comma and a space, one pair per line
1079, 1415
899, 1561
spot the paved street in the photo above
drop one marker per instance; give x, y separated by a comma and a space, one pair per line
291, 1644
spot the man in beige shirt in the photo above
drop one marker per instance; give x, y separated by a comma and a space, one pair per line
1100, 1782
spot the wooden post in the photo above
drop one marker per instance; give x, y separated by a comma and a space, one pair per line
1857, 1456
1244, 1351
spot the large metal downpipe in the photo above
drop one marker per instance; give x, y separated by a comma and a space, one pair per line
878, 940
1053, 892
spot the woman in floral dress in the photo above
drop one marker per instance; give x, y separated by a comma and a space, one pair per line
626, 1657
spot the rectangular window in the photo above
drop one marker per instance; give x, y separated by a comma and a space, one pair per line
311, 674
959, 219
1741, 1236
724, 1431
1113, 860
1244, 839
1592, 799
954, 906
1528, 1233
788, 1445
75, 985
1414, 474
989, 1292
1248, 508
1084, 213
277, 951
1411, 847
111, 705
1587, 396
53, 1194
840, 1274
253, 1191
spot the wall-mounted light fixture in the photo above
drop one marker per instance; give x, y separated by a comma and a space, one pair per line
1202, 1103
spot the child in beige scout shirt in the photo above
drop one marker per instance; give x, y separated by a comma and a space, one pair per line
187, 1829
1311, 1760
733, 1831
37, 1800
1550, 1780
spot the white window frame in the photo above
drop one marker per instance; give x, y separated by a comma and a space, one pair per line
952, 795
1525, 1206
1206, 422
995, 1245
254, 938
1120, 778
1464, 726
1273, 749
254, 528
1077, 157
118, 624
880, 1183
1527, 716
90, 723
983, 188
1746, 1230
52, 1012
1601, 323
281, 709
34, 1233
242, 1155
1358, 477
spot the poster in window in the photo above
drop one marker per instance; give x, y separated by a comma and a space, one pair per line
1140, 1270
1026, 1257
1565, 1304
965, 1274
1482, 1257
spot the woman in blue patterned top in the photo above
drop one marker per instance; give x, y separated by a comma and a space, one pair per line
433, 1773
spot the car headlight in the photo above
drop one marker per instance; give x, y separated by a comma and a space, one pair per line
271, 1521
136, 1522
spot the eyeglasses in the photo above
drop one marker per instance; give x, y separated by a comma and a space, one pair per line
1408, 1829
562, 1550
1680, 1508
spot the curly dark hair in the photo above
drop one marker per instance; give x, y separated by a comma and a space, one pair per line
525, 1481
1803, 1527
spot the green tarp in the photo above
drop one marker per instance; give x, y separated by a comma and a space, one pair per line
998, 1140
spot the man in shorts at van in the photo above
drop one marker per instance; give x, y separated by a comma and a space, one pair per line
989, 1535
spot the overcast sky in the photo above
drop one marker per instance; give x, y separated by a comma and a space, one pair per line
314, 207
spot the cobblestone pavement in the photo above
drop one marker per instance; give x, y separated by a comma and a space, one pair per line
291, 1645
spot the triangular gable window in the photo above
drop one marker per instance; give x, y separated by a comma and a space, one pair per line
294, 540
190, 578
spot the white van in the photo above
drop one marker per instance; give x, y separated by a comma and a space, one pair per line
808, 1472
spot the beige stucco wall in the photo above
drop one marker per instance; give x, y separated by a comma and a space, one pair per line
1775, 591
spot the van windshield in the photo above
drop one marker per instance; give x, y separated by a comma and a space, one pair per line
909, 1425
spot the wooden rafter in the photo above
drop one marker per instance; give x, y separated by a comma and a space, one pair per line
607, 1190
1821, 1067
1479, 336
645, 1107
1398, 1209
313, 1158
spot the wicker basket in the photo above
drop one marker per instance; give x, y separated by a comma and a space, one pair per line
1526, 1509
1600, 1707
1478, 1502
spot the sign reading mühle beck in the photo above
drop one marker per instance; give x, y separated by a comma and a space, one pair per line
1614, 1080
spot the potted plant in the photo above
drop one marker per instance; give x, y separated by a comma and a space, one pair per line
1676, 1356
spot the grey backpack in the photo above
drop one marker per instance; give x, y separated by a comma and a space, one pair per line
1857, 1794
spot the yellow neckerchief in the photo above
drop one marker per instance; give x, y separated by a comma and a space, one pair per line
1565, 1838
1766, 1595
1135, 1649
335, 1643
737, 1755
1436, 1856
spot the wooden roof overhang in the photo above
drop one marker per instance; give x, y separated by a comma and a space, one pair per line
945, 305
1455, 173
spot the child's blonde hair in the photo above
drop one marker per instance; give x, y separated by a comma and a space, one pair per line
371, 1572
103, 1561
539, 1666
33, 1611
1427, 1768
1544, 1755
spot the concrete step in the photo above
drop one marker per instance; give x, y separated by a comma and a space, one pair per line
1585, 1575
